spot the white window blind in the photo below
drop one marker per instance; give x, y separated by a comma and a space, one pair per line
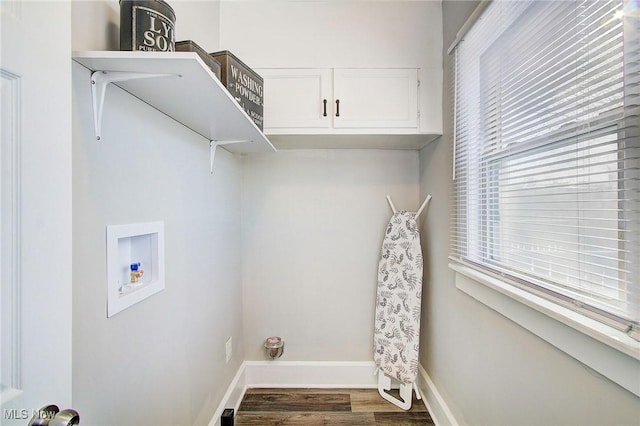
547, 152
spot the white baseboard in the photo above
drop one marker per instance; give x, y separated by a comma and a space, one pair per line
233, 397
436, 405
321, 374
310, 374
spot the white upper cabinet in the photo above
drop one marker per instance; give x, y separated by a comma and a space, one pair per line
296, 99
367, 55
381, 101
375, 99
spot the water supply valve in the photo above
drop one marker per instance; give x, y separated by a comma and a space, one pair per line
136, 272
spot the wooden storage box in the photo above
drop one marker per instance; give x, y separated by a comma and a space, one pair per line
190, 46
244, 84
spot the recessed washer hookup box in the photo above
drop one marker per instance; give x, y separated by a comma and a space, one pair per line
244, 84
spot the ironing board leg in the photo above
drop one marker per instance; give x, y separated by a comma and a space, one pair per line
384, 384
417, 389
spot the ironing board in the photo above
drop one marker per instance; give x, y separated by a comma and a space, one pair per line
398, 301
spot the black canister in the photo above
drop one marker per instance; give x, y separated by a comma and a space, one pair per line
147, 25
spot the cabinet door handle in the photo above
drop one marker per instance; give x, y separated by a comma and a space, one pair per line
324, 101
337, 107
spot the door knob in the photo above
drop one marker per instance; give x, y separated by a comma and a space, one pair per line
68, 417
50, 415
44, 415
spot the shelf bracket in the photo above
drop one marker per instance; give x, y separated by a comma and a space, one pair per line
99, 82
212, 150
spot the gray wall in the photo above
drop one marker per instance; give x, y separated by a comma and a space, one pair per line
313, 222
161, 361
490, 370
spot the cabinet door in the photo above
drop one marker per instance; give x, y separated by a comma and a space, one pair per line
296, 98
375, 98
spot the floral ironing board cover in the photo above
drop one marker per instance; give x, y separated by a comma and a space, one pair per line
399, 293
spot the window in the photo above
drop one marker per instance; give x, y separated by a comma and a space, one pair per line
547, 152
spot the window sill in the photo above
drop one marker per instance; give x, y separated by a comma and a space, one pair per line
602, 348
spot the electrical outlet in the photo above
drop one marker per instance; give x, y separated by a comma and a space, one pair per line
228, 348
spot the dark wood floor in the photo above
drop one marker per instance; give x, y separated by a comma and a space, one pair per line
331, 407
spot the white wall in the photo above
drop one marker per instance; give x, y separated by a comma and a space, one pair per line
490, 370
198, 21
341, 34
312, 225
161, 361
96, 24
288, 34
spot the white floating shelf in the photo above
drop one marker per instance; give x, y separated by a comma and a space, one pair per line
193, 96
